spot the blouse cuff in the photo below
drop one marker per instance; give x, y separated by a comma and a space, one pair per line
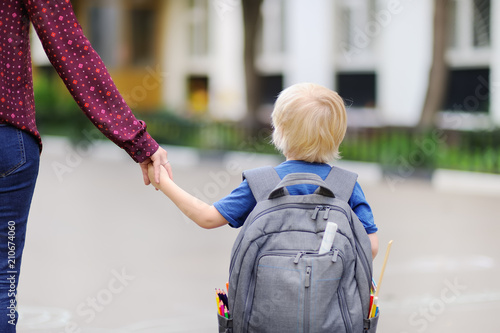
142, 147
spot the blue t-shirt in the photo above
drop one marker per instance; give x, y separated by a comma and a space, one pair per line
236, 207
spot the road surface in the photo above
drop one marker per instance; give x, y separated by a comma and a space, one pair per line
106, 254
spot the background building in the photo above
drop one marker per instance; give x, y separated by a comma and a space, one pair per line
186, 56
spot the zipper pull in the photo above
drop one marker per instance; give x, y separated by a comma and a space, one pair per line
308, 277
327, 212
335, 255
315, 213
297, 257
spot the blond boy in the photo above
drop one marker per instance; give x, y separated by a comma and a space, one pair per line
309, 124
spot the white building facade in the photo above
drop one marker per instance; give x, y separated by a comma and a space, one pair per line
375, 53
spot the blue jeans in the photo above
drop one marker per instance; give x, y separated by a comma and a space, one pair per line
19, 161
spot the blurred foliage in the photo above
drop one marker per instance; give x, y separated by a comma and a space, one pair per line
56, 111
206, 134
406, 151
401, 150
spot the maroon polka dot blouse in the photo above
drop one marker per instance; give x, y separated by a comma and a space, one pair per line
78, 65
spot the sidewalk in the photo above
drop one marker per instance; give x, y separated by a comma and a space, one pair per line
105, 254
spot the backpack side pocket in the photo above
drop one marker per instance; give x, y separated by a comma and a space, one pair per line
225, 324
371, 324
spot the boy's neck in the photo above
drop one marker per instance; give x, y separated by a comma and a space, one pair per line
297, 159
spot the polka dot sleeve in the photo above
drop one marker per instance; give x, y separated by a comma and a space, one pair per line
86, 76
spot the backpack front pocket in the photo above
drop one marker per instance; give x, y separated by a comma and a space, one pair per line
294, 291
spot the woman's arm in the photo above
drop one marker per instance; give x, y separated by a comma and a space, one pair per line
206, 216
86, 77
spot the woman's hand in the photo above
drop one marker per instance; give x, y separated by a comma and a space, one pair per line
164, 177
159, 159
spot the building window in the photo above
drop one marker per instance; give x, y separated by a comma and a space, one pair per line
358, 89
357, 27
103, 32
271, 34
452, 25
470, 24
481, 23
468, 90
143, 22
198, 28
122, 32
270, 88
197, 94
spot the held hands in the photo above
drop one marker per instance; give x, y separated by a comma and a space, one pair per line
164, 177
158, 161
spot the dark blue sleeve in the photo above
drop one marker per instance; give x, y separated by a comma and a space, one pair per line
362, 209
236, 207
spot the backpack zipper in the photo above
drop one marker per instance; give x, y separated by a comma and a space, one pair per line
283, 206
327, 212
344, 310
307, 293
307, 298
357, 246
272, 209
314, 215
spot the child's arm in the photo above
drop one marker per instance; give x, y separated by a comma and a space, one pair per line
374, 240
201, 213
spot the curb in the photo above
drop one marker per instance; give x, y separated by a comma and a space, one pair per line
61, 148
466, 182
369, 173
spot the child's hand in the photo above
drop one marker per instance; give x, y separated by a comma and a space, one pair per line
158, 159
151, 175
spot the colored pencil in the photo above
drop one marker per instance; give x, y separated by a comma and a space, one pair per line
383, 268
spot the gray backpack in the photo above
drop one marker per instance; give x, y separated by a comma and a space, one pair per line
278, 282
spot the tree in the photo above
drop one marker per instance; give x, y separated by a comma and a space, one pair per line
438, 77
251, 20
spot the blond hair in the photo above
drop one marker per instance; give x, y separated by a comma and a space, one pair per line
309, 123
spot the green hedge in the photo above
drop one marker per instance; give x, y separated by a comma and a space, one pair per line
405, 147
57, 114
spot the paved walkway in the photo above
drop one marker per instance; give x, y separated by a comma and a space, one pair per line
105, 254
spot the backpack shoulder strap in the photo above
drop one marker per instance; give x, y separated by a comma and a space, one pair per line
341, 182
262, 181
